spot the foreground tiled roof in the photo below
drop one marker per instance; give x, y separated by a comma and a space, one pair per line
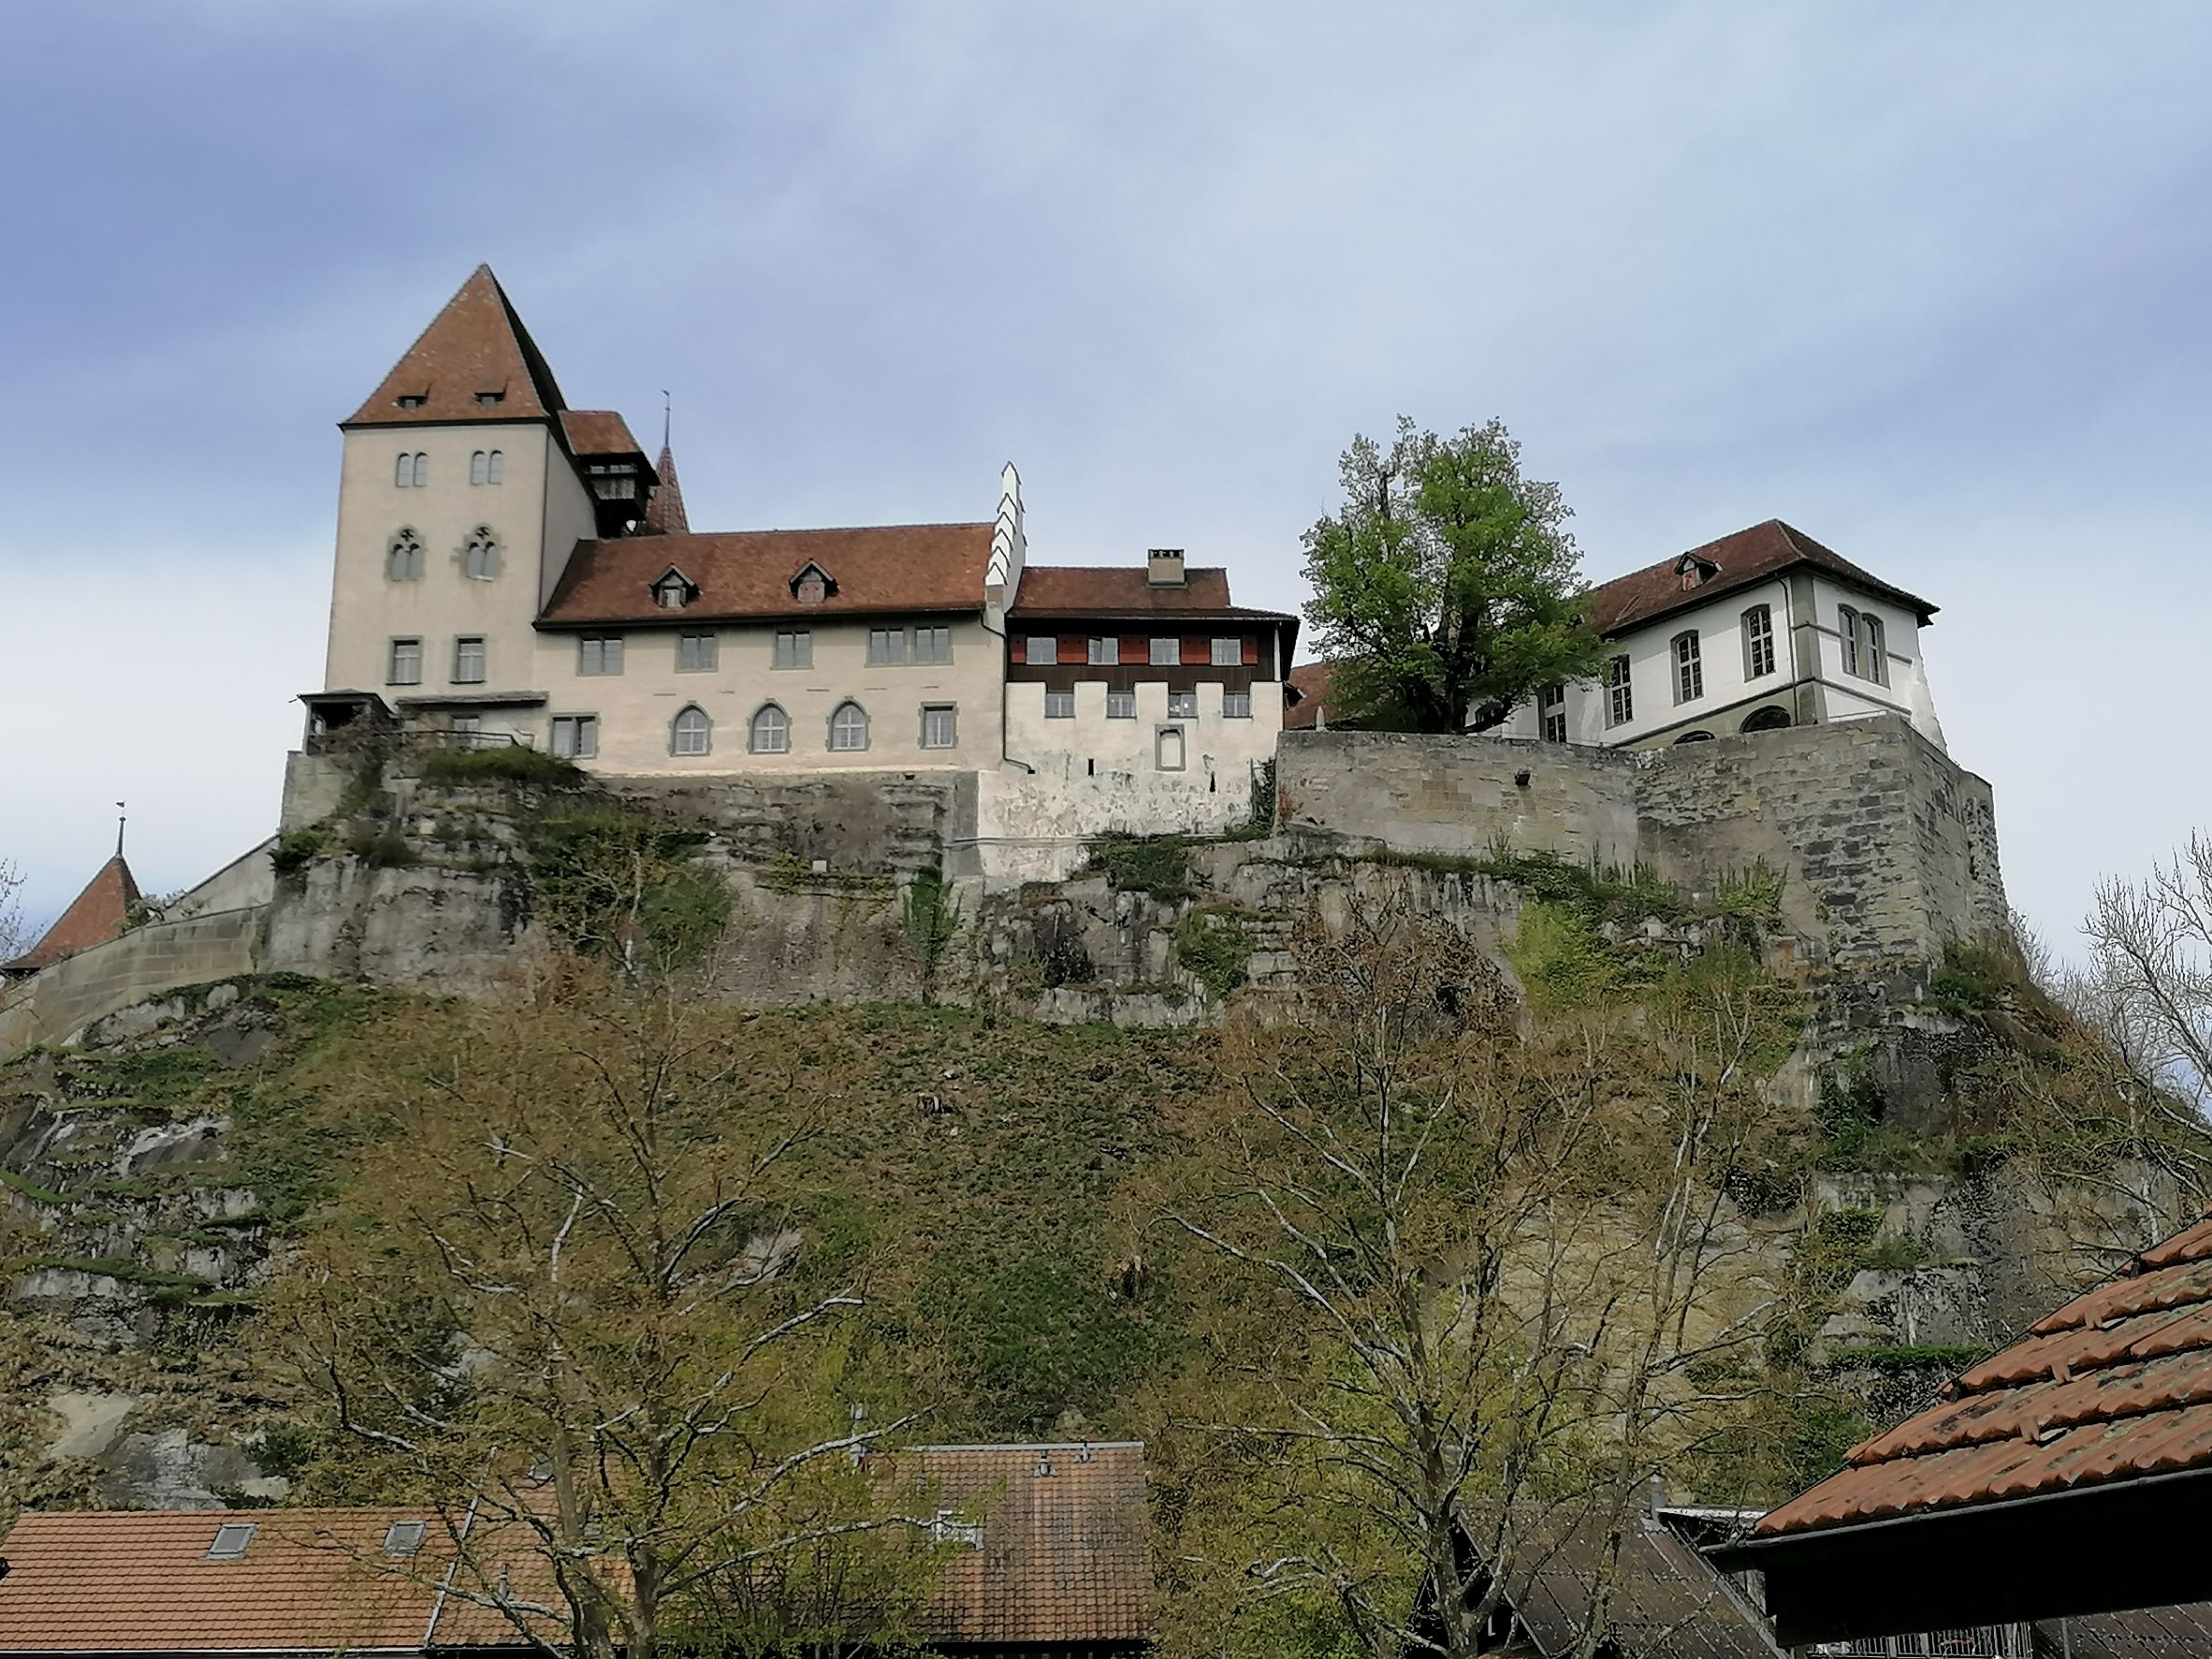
94, 915
2153, 1633
1119, 592
1749, 556
1065, 1555
2115, 1386
1310, 680
598, 431
476, 344
141, 1582
748, 574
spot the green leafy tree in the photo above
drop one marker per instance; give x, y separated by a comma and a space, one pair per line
1446, 587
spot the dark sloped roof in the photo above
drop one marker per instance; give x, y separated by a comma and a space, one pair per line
598, 431
2115, 1386
880, 570
1066, 1556
1116, 593
2154, 1633
1749, 556
94, 916
664, 514
141, 1581
1310, 681
476, 343
1666, 1602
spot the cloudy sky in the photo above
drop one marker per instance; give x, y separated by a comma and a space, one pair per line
1930, 281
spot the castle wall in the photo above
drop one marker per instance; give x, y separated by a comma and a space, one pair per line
1888, 847
54, 1003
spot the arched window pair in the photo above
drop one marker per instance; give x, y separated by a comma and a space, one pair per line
770, 731
1865, 653
480, 555
487, 466
411, 471
402, 558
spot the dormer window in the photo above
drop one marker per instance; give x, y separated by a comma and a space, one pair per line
812, 585
409, 399
673, 592
488, 398
1694, 572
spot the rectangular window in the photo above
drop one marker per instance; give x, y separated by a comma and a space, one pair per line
1847, 631
1183, 706
1758, 641
1551, 706
467, 661
1227, 653
576, 737
933, 645
1120, 705
696, 653
406, 665
887, 645
1105, 648
1689, 669
1873, 652
939, 725
1040, 648
1166, 653
599, 653
1059, 705
1236, 705
795, 648
1619, 701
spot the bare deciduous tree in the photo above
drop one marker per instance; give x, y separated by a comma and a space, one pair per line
1511, 1260
568, 1298
2149, 990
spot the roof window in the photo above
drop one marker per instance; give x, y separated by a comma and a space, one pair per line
411, 399
231, 1540
488, 398
812, 585
404, 1537
673, 592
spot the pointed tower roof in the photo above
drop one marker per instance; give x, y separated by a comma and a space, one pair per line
94, 916
476, 361
664, 514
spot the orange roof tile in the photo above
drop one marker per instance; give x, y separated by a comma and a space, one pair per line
94, 916
1065, 1553
475, 346
1310, 680
1746, 557
598, 431
664, 514
1118, 590
2115, 1386
883, 570
141, 1582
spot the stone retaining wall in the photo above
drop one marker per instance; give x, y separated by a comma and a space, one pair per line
55, 1003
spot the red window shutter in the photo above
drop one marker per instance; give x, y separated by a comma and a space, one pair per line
1197, 652
1074, 648
1251, 650
1135, 647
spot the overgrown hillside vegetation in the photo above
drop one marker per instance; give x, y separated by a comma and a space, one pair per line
283, 1213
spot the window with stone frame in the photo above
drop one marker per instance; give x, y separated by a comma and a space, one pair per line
480, 555
404, 665
1183, 706
599, 653
933, 645
1689, 667
1059, 705
1120, 705
1551, 713
770, 731
1847, 633
794, 648
1758, 642
468, 660
698, 652
690, 733
849, 728
1620, 693
1236, 705
887, 645
576, 737
941, 725
402, 558
1873, 650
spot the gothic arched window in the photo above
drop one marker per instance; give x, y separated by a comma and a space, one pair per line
402, 558
690, 732
848, 727
480, 555
771, 729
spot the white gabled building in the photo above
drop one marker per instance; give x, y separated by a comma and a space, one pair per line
1759, 629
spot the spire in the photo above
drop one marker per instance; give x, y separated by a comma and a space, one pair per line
476, 361
94, 916
665, 513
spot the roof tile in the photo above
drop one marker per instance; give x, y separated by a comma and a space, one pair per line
94, 916
1746, 557
475, 345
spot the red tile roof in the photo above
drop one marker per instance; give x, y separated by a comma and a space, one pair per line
141, 1581
1116, 591
1065, 1555
1310, 680
94, 916
1750, 556
2115, 1386
598, 431
885, 569
664, 514
476, 344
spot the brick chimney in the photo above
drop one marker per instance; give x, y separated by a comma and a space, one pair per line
1163, 568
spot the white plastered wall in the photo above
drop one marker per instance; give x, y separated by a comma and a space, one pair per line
637, 708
